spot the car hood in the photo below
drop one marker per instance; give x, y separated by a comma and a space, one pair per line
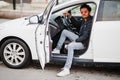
15, 23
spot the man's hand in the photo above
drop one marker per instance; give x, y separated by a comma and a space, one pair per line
73, 41
67, 14
66, 46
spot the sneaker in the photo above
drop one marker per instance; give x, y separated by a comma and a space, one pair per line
56, 51
64, 72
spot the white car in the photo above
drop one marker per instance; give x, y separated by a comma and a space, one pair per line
33, 38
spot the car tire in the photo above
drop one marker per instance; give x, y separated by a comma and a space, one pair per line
15, 53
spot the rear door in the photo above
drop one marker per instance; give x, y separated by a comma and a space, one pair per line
43, 37
106, 40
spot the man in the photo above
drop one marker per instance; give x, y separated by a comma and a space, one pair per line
83, 29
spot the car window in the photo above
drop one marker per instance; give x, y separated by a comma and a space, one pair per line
109, 10
76, 11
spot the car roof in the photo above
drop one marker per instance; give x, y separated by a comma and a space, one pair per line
72, 2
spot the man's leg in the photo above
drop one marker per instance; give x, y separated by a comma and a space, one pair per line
66, 34
71, 47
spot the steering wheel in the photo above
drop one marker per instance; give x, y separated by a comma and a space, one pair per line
67, 23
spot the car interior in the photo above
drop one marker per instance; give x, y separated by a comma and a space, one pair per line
59, 22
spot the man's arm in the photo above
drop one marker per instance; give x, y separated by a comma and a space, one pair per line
85, 34
75, 22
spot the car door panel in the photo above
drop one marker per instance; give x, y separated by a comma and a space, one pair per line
42, 36
106, 32
106, 41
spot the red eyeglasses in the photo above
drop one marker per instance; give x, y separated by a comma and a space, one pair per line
84, 12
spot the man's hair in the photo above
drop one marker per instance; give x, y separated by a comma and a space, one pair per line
85, 6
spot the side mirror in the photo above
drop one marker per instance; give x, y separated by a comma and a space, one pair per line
34, 19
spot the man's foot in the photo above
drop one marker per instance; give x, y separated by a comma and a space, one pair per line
56, 51
64, 72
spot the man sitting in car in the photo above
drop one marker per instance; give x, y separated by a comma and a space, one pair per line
77, 40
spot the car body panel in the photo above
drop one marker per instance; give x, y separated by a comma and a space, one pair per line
103, 44
20, 28
106, 41
106, 34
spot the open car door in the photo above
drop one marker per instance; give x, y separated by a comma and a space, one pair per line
43, 36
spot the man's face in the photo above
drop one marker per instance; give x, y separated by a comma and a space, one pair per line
85, 13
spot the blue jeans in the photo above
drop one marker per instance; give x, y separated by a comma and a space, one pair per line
71, 47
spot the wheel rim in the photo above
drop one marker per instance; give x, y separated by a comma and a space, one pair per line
14, 54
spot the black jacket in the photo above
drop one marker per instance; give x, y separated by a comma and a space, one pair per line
83, 28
